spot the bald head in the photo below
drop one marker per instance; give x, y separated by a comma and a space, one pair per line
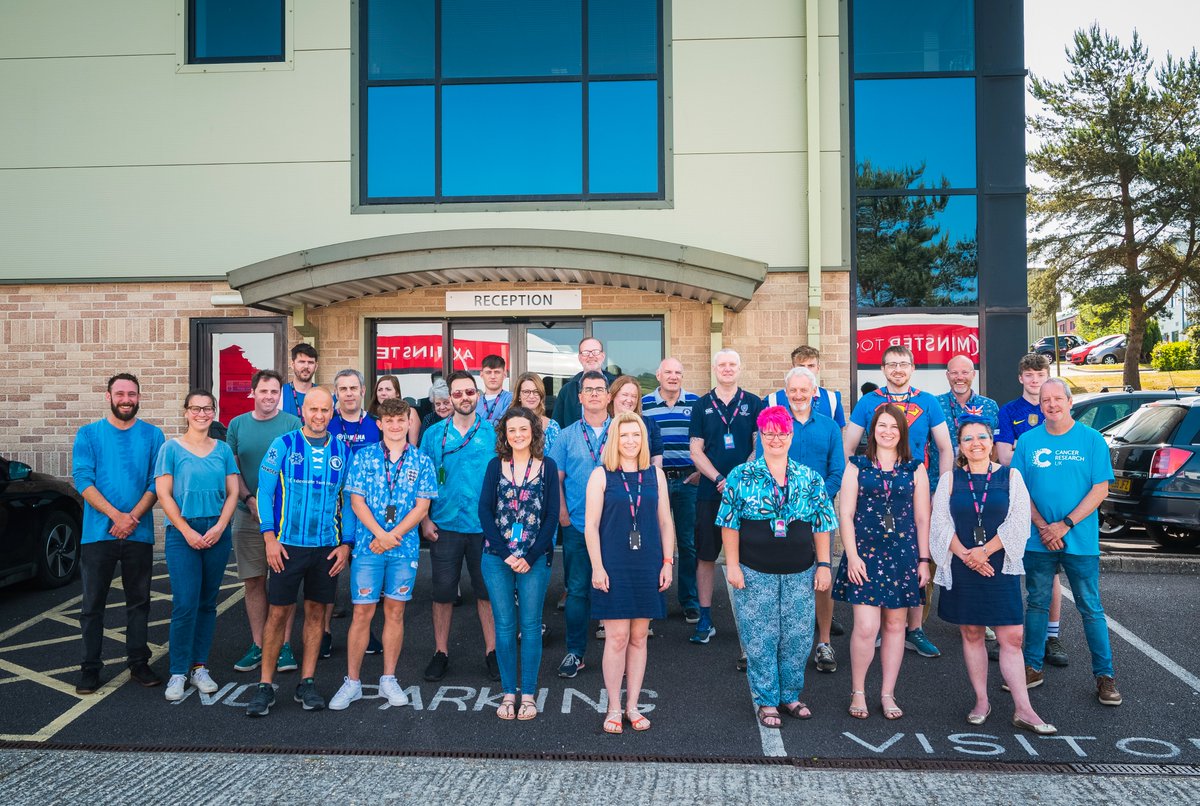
960, 372
317, 411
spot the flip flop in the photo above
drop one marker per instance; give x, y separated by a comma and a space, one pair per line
506, 710
637, 721
797, 710
763, 715
612, 722
527, 710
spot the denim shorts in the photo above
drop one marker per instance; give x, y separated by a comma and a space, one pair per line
373, 575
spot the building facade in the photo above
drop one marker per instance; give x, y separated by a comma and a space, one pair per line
191, 186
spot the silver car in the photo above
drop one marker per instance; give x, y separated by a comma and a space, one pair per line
1112, 352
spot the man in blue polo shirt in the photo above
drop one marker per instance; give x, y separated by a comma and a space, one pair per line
962, 400
304, 370
670, 407
390, 487
721, 432
577, 452
300, 514
926, 422
825, 401
1066, 467
113, 468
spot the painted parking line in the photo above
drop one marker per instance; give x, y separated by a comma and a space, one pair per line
1189, 679
770, 738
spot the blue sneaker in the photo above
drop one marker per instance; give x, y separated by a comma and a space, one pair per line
287, 661
919, 643
250, 661
704, 633
571, 665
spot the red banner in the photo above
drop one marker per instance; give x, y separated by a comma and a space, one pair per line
932, 344
234, 383
424, 353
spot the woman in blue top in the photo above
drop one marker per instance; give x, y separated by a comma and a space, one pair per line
631, 542
518, 506
197, 485
885, 534
775, 520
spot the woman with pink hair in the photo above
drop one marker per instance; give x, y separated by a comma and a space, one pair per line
775, 520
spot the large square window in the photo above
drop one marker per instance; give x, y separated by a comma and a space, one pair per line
915, 36
513, 101
232, 31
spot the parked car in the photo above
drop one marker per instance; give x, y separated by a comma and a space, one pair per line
1080, 354
1101, 409
1111, 352
1156, 463
39, 527
1045, 345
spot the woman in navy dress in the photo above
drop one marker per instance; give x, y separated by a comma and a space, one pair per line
978, 534
885, 534
631, 541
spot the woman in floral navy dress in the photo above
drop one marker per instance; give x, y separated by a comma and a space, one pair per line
885, 534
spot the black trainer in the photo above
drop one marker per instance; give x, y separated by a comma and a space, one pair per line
142, 673
437, 667
307, 695
836, 628
493, 666
326, 645
374, 645
261, 702
89, 681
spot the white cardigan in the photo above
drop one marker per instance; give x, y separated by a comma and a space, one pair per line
1013, 532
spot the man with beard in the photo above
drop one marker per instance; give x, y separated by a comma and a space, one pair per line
304, 369
113, 468
567, 408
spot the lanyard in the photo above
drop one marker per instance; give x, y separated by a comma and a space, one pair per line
466, 440
296, 403
907, 396
633, 508
736, 408
351, 438
398, 466
887, 487
595, 454
979, 502
522, 493
779, 495
957, 411
488, 411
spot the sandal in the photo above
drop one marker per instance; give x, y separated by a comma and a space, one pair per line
527, 711
891, 713
764, 715
859, 711
637, 721
797, 710
506, 710
612, 722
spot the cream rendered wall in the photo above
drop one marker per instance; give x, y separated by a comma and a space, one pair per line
115, 165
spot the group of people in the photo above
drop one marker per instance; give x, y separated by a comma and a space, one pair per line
315, 485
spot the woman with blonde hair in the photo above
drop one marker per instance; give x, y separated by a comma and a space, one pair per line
630, 539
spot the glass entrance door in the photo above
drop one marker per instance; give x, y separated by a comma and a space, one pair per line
552, 351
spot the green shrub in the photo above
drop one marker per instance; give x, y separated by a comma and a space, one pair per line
1172, 356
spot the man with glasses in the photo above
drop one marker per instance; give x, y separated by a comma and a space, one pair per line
926, 421
461, 447
577, 452
721, 435
567, 408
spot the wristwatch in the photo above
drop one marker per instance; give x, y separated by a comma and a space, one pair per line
1067, 520
823, 564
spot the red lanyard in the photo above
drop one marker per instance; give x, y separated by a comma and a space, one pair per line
466, 440
887, 395
388, 466
489, 410
736, 408
347, 437
522, 493
979, 502
595, 454
633, 508
779, 495
887, 487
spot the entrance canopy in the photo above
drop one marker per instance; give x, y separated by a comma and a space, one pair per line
344, 271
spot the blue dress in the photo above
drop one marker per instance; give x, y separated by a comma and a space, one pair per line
891, 559
976, 599
632, 575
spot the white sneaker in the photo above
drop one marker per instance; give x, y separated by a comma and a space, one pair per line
202, 681
388, 687
350, 691
176, 687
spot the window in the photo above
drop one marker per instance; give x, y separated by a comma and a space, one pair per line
522, 100
235, 31
914, 36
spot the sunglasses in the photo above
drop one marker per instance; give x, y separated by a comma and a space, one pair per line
461, 393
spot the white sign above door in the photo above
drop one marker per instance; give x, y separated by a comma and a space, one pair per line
514, 301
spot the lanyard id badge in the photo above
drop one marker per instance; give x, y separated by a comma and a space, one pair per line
728, 441
733, 418
889, 520
514, 539
779, 497
635, 535
979, 532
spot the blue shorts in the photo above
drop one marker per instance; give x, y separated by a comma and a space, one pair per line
373, 575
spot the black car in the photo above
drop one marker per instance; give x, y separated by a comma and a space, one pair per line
1101, 409
1045, 345
39, 527
1156, 462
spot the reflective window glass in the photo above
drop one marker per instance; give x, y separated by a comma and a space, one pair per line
512, 140
400, 142
400, 39
493, 38
623, 137
915, 132
632, 347
235, 31
913, 36
916, 251
412, 351
934, 339
622, 37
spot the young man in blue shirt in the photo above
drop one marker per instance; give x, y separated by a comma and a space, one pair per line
304, 371
1066, 467
300, 511
495, 399
113, 468
461, 447
926, 423
390, 487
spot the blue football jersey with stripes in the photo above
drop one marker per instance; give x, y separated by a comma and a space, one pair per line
300, 490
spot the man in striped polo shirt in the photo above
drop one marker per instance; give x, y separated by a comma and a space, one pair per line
670, 407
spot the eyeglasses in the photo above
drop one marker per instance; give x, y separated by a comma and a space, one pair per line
773, 436
591, 353
970, 438
530, 393
461, 393
897, 365
593, 391
200, 409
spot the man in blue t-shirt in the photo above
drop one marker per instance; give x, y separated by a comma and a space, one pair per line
926, 422
1066, 467
304, 371
495, 399
390, 487
113, 468
300, 515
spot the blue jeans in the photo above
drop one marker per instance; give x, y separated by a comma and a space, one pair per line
530, 589
775, 617
196, 576
577, 569
1083, 572
683, 511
